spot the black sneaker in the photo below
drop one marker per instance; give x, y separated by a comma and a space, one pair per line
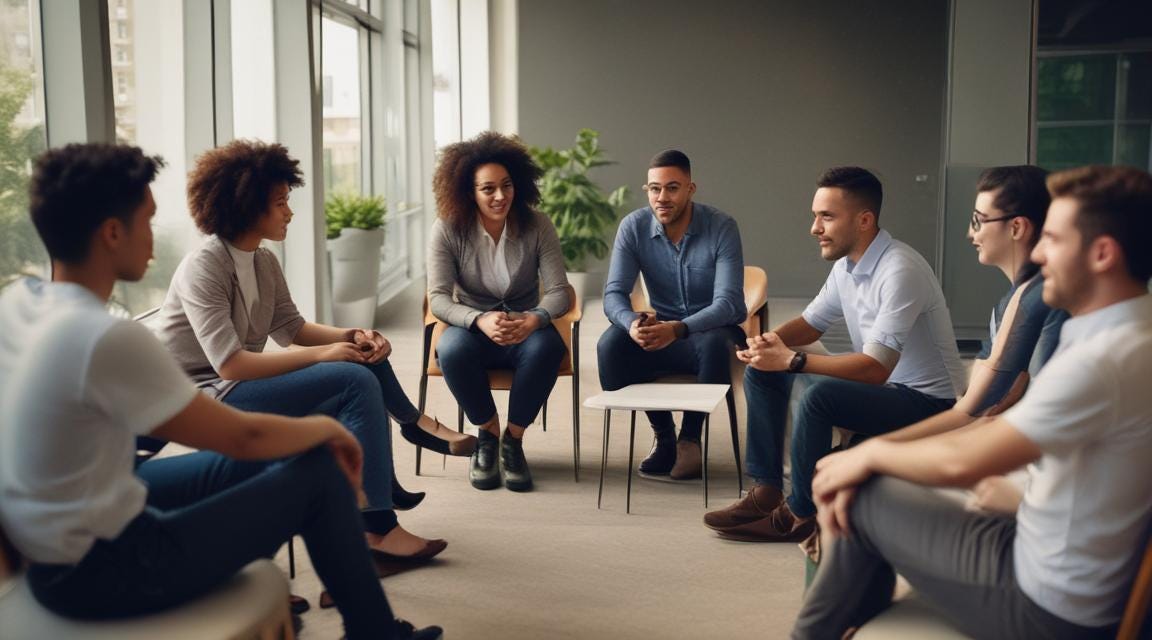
662, 457
513, 467
484, 471
406, 630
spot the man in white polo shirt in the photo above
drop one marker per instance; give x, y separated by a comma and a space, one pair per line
904, 366
1063, 566
104, 539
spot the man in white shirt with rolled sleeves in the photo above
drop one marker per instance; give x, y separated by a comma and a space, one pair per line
1063, 566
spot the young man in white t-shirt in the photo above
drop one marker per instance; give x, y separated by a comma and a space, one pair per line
1063, 566
78, 386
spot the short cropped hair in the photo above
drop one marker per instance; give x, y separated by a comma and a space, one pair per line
671, 158
454, 183
1114, 202
229, 189
75, 188
1021, 192
860, 183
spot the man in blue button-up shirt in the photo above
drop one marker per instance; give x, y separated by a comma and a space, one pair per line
693, 268
904, 366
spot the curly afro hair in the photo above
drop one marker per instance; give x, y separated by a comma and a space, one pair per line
75, 188
453, 182
229, 189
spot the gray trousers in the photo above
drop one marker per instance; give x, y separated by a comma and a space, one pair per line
958, 561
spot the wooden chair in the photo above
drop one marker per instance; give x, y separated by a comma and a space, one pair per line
568, 325
911, 618
756, 301
253, 605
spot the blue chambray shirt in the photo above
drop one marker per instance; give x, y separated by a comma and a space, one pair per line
700, 282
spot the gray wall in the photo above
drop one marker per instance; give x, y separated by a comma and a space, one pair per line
989, 115
762, 96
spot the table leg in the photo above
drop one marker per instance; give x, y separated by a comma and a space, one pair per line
631, 448
707, 430
604, 456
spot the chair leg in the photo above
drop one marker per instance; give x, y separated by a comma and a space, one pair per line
576, 426
604, 456
731, 397
631, 449
291, 558
423, 402
544, 411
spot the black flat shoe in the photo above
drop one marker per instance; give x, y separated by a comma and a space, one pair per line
404, 500
421, 438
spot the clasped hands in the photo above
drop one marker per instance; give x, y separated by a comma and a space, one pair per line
508, 328
652, 334
766, 352
372, 344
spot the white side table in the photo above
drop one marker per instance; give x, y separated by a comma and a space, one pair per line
657, 397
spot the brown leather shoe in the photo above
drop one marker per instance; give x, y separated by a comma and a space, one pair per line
758, 504
688, 461
780, 526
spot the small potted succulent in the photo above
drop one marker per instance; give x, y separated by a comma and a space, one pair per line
355, 237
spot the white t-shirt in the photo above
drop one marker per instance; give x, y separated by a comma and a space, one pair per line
1088, 504
77, 386
892, 298
245, 262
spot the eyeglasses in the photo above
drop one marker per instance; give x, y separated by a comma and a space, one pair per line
977, 222
655, 189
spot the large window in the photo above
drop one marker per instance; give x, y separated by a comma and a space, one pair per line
343, 127
1093, 83
21, 136
147, 58
1094, 108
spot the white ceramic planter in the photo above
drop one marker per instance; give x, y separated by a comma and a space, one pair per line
355, 263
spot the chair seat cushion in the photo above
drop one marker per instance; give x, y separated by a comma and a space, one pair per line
238, 609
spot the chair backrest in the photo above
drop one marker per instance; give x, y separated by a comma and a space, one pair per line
755, 299
1136, 612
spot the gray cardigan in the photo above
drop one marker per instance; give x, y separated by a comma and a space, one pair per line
205, 319
457, 295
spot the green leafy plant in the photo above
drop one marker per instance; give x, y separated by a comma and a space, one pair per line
579, 209
353, 211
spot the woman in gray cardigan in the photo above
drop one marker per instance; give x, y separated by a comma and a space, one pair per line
490, 257
229, 296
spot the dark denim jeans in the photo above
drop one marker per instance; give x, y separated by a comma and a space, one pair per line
209, 516
863, 408
465, 356
706, 354
360, 396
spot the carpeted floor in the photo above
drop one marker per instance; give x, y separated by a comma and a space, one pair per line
548, 564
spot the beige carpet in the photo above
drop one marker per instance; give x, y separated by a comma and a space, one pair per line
548, 564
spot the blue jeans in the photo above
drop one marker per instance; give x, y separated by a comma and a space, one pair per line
706, 354
209, 516
465, 356
863, 408
361, 397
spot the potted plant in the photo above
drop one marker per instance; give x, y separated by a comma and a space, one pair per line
582, 213
355, 236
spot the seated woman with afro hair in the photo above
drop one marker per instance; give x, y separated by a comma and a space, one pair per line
229, 296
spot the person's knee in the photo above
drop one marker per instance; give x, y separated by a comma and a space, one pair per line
455, 348
761, 382
819, 398
546, 345
714, 350
609, 350
353, 377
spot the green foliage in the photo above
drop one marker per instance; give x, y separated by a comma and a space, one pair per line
577, 206
353, 211
20, 247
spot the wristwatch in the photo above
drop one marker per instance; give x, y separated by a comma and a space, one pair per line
799, 359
